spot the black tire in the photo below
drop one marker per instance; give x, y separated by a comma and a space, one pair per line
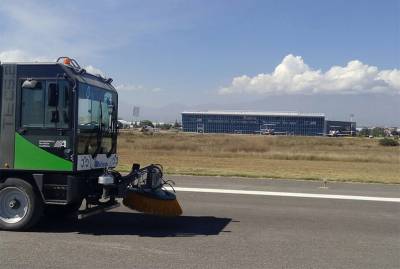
62, 211
34, 204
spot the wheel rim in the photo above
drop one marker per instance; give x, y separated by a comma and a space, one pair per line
13, 205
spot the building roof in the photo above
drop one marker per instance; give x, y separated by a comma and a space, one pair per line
254, 113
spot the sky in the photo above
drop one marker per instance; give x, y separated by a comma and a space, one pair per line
335, 57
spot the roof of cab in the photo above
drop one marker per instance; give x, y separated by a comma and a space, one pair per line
46, 69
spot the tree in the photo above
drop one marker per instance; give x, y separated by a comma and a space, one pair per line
166, 126
388, 142
177, 124
364, 132
146, 123
378, 131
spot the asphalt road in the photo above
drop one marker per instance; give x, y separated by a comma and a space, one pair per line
225, 231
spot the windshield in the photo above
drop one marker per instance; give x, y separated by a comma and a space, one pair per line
96, 119
94, 107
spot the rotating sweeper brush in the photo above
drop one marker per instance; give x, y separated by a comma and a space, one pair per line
161, 203
145, 192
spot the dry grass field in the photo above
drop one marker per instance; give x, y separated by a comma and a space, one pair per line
339, 159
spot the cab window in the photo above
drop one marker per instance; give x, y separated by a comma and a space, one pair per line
45, 104
32, 113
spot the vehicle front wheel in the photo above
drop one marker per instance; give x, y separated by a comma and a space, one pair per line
20, 205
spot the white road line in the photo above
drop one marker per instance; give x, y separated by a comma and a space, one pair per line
291, 194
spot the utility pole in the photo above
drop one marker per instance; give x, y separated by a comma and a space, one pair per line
351, 124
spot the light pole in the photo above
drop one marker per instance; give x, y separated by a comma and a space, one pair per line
351, 124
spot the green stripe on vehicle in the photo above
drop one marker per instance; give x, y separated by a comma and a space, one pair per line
31, 157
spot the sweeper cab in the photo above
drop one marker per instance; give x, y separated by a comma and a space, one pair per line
58, 148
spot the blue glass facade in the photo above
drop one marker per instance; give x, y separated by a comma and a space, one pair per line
253, 123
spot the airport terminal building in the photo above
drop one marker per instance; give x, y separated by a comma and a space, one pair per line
341, 127
274, 123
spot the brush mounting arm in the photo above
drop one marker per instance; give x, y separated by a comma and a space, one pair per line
149, 178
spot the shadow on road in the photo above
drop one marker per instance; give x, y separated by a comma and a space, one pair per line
119, 223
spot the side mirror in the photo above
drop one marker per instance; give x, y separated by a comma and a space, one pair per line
31, 84
53, 93
117, 127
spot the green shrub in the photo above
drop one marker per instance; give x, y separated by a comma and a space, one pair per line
388, 142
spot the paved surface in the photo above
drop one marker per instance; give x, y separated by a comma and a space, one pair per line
225, 231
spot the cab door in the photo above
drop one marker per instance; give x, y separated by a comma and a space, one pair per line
43, 134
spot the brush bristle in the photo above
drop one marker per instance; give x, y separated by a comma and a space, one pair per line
147, 204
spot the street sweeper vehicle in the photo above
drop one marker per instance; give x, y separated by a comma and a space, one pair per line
58, 148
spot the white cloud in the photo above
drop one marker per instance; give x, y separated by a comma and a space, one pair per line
59, 28
93, 70
293, 76
136, 88
20, 56
54, 30
17, 55
25, 23
392, 77
129, 88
